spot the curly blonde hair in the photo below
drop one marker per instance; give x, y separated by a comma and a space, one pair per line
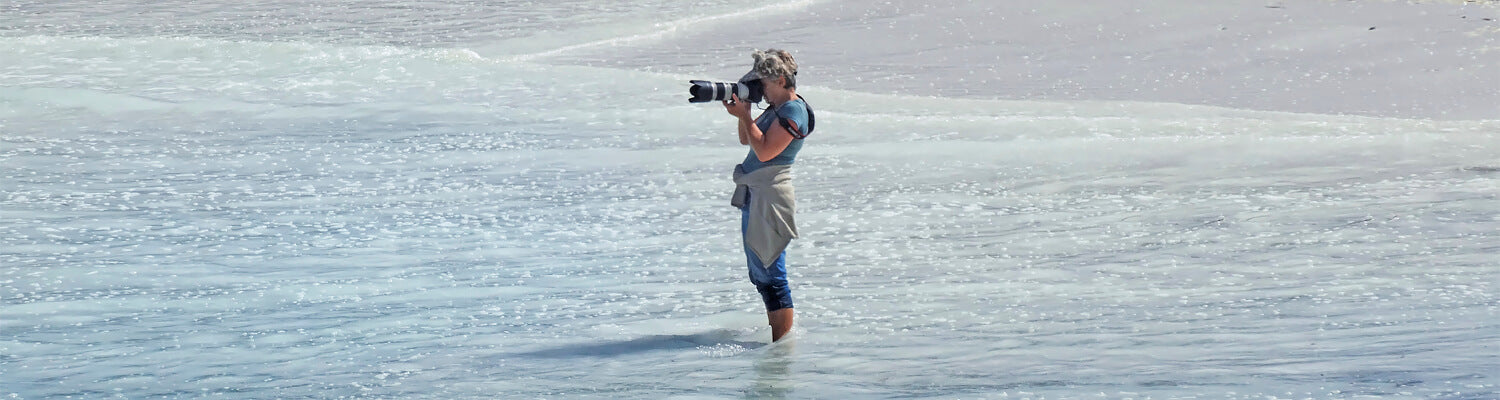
776, 62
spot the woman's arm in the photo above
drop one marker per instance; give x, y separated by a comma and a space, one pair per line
740, 110
769, 144
745, 132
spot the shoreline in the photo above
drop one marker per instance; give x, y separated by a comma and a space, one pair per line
1374, 59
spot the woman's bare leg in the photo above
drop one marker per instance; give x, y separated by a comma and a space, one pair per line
781, 323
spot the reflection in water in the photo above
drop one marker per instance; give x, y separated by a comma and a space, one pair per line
773, 372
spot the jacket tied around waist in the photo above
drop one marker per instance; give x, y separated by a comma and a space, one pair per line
772, 204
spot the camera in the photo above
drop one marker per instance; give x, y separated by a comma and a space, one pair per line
749, 90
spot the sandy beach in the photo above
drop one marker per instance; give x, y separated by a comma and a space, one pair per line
1431, 59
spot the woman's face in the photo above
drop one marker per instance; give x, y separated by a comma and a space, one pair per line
774, 88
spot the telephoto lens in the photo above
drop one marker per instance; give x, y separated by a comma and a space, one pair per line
706, 91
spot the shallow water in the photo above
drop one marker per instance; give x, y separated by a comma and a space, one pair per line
350, 204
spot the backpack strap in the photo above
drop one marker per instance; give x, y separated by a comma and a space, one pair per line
797, 131
812, 119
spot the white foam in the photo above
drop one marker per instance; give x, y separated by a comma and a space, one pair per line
660, 30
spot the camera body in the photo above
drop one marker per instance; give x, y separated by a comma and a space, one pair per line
705, 91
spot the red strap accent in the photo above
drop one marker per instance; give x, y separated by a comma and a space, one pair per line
791, 127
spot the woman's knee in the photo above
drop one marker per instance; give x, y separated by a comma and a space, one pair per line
776, 296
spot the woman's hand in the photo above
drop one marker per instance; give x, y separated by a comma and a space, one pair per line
739, 109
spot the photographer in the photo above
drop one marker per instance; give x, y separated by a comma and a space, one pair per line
763, 190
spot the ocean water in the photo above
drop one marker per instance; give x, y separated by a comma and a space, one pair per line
429, 199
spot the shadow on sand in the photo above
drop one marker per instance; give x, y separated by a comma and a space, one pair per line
644, 345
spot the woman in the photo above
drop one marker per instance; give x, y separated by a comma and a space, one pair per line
763, 189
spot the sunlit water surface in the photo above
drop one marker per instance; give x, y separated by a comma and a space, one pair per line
332, 201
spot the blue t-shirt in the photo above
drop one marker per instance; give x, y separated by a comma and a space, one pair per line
796, 111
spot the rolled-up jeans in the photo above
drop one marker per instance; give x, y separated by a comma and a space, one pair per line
770, 280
